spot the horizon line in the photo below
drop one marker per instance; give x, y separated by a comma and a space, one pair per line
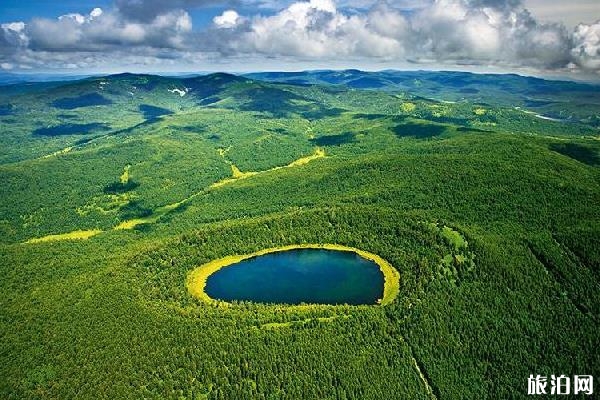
58, 75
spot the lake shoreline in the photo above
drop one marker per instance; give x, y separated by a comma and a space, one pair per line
196, 279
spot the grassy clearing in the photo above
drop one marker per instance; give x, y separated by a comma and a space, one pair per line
132, 223
237, 175
222, 151
124, 178
408, 107
319, 153
454, 238
196, 280
124, 225
106, 204
155, 216
75, 235
59, 152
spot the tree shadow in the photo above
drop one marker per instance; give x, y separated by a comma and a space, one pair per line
85, 100
283, 104
134, 209
6, 109
70, 129
119, 188
334, 140
153, 113
577, 152
418, 131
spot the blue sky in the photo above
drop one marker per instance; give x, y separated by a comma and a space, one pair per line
19, 10
532, 36
23, 10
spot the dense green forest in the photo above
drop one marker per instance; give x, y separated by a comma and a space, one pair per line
485, 199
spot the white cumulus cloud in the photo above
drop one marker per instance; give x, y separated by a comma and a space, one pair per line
228, 19
586, 49
103, 31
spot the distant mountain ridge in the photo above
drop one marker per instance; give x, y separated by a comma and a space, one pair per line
565, 100
455, 85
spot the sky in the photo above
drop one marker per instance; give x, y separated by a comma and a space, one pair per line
534, 37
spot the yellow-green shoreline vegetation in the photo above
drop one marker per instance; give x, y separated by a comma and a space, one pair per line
196, 279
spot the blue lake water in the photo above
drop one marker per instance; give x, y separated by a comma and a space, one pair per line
295, 276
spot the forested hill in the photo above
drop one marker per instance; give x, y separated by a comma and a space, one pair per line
555, 98
565, 100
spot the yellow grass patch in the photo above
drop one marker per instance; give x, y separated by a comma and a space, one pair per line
156, 215
222, 152
59, 152
105, 204
132, 223
237, 175
222, 182
75, 235
319, 153
479, 111
125, 175
300, 102
196, 279
408, 107
262, 138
